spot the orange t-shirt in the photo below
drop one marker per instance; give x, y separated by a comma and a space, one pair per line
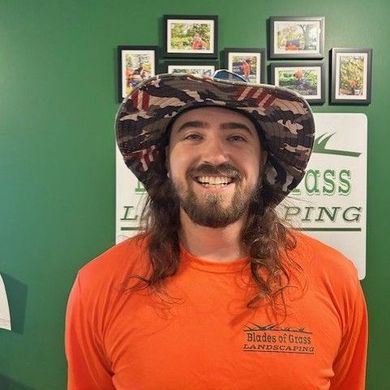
202, 336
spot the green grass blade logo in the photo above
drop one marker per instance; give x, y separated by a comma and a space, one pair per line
320, 147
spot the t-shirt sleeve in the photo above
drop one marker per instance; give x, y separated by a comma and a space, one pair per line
87, 366
350, 364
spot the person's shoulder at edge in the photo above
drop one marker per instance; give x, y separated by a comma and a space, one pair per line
321, 258
329, 273
123, 259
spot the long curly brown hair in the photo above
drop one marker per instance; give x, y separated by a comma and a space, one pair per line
266, 239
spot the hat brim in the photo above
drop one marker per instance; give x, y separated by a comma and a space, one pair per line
284, 117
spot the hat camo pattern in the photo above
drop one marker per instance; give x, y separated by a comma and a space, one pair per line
285, 120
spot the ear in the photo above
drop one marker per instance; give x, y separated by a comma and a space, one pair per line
264, 157
167, 156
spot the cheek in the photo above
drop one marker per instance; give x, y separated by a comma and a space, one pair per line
181, 155
172, 158
176, 162
250, 163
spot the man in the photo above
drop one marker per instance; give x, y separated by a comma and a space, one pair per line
217, 293
198, 43
246, 68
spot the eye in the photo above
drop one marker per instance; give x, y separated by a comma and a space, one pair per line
236, 138
192, 137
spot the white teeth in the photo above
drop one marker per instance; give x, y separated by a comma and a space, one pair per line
214, 180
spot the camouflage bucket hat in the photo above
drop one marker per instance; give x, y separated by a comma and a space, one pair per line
285, 120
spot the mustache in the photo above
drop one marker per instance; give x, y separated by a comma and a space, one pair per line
224, 169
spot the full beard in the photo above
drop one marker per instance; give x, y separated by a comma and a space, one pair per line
213, 210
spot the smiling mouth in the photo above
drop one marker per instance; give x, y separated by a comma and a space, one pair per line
215, 181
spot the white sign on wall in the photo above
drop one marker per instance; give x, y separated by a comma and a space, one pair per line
329, 203
5, 318
130, 198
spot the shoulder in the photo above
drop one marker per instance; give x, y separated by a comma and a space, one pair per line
113, 267
329, 276
321, 257
326, 269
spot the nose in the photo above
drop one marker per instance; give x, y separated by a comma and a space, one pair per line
214, 151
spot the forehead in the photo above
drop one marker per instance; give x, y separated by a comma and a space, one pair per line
213, 116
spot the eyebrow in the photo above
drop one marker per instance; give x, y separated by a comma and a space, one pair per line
193, 124
235, 125
224, 126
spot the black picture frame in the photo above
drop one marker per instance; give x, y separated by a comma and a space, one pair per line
351, 76
237, 60
192, 66
190, 36
299, 44
135, 64
305, 78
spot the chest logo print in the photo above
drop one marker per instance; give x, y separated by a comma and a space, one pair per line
278, 339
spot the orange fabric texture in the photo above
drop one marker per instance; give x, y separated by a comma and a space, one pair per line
201, 335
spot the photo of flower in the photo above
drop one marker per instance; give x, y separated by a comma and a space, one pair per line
351, 76
351, 71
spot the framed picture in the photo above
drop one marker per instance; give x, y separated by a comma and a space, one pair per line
297, 37
201, 68
305, 78
248, 63
135, 64
351, 76
190, 36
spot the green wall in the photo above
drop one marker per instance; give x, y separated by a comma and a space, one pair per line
57, 104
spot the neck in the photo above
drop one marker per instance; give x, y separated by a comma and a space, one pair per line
214, 244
